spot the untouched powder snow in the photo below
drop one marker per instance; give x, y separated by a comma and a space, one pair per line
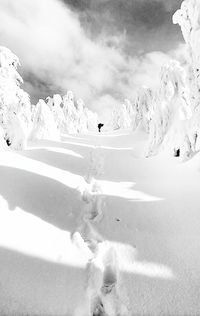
89, 226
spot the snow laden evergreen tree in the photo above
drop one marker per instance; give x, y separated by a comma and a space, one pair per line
44, 125
130, 110
82, 126
91, 119
115, 117
121, 116
78, 118
15, 108
169, 113
142, 109
124, 117
71, 116
188, 17
56, 106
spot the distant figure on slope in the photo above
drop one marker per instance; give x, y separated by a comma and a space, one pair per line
176, 152
100, 125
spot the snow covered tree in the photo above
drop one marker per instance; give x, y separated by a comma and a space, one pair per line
170, 112
44, 125
188, 19
55, 104
115, 117
124, 119
82, 124
78, 118
70, 113
142, 108
121, 116
14, 102
130, 110
91, 119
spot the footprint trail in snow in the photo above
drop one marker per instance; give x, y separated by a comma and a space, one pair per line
103, 285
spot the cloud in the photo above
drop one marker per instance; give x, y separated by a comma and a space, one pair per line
147, 23
57, 54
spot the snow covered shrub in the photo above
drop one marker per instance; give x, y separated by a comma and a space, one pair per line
14, 102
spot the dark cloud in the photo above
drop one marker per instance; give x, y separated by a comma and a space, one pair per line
146, 23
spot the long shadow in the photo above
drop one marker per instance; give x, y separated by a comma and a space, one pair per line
63, 161
77, 148
161, 231
163, 234
51, 287
46, 198
32, 286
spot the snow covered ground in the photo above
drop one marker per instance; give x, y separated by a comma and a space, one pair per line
88, 226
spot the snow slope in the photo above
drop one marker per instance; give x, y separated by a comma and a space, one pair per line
88, 226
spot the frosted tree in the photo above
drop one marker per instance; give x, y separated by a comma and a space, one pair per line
170, 113
91, 119
115, 118
124, 120
130, 110
44, 125
14, 102
188, 19
82, 124
55, 105
143, 108
121, 116
71, 116
70, 112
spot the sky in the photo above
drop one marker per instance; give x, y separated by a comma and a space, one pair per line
102, 50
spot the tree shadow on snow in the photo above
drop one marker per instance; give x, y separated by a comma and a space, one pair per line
73, 164
42, 196
80, 149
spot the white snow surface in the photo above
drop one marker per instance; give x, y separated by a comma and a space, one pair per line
89, 226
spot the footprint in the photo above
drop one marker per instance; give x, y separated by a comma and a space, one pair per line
110, 274
98, 309
96, 212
